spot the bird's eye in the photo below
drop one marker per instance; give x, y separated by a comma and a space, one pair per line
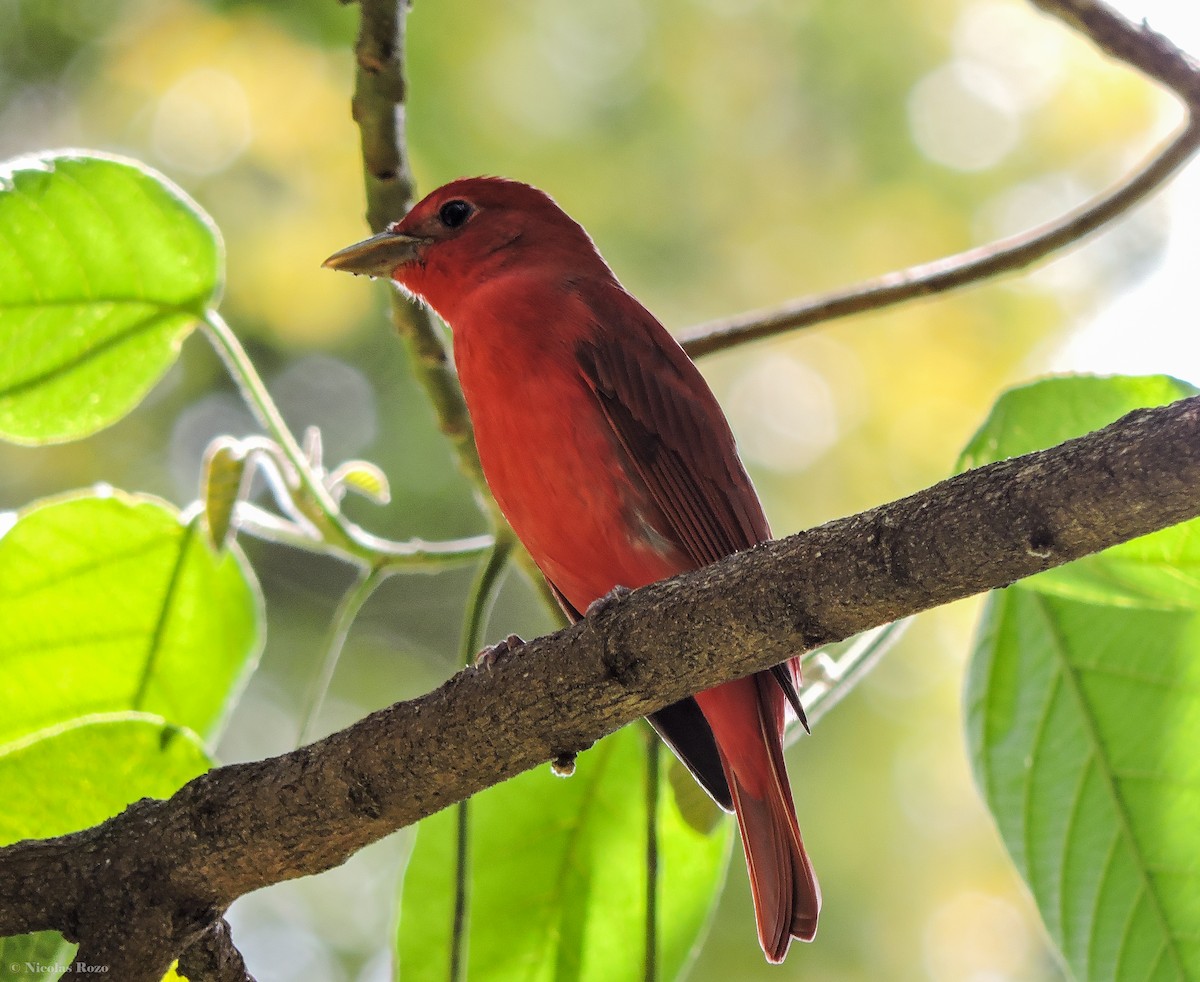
453, 214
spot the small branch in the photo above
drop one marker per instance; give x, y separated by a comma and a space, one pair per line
386, 556
150, 879
479, 605
1134, 44
331, 531
379, 110
321, 509
653, 801
347, 610
1004, 256
214, 958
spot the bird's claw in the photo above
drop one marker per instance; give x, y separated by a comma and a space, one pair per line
601, 604
494, 652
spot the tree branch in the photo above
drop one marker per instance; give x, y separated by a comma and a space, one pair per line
148, 883
1136, 45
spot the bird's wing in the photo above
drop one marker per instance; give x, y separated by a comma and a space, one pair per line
672, 431
679, 445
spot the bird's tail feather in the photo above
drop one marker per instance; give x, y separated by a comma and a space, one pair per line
787, 898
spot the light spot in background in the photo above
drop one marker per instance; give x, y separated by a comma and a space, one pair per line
321, 391
1150, 328
571, 62
976, 937
38, 116
783, 412
1044, 198
202, 122
932, 789
198, 425
279, 946
963, 116
1016, 45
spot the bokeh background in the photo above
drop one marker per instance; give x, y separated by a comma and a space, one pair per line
726, 155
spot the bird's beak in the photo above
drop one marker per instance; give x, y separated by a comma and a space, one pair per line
377, 256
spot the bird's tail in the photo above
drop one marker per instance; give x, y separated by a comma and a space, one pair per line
787, 898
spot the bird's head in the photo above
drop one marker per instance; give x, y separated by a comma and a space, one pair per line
466, 234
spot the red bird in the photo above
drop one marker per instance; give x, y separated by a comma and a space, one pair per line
613, 462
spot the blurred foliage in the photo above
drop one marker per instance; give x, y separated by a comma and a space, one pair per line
725, 154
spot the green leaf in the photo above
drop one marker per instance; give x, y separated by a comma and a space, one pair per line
1083, 701
1045, 413
1083, 721
558, 886
364, 478
44, 956
112, 603
105, 267
221, 482
1160, 570
76, 775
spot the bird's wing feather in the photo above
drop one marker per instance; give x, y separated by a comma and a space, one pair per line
674, 435
678, 444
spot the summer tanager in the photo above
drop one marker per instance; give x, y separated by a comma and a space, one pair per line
609, 456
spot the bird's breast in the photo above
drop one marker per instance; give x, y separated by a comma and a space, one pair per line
556, 468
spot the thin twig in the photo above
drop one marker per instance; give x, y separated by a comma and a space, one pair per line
479, 604
379, 110
1135, 45
1003, 256
347, 610
653, 800
321, 509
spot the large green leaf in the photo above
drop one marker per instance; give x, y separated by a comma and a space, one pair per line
78, 774
112, 603
1049, 411
558, 877
1083, 704
105, 266
1084, 722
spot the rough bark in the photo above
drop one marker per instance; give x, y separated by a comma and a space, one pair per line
152, 881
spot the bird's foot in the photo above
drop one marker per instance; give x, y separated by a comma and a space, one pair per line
613, 597
494, 652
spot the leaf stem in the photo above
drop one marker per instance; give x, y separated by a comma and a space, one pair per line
347, 610
835, 677
311, 498
653, 797
483, 592
321, 509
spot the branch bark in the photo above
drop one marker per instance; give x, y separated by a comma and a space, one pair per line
140, 888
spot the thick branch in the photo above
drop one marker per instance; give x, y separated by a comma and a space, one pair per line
176, 865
